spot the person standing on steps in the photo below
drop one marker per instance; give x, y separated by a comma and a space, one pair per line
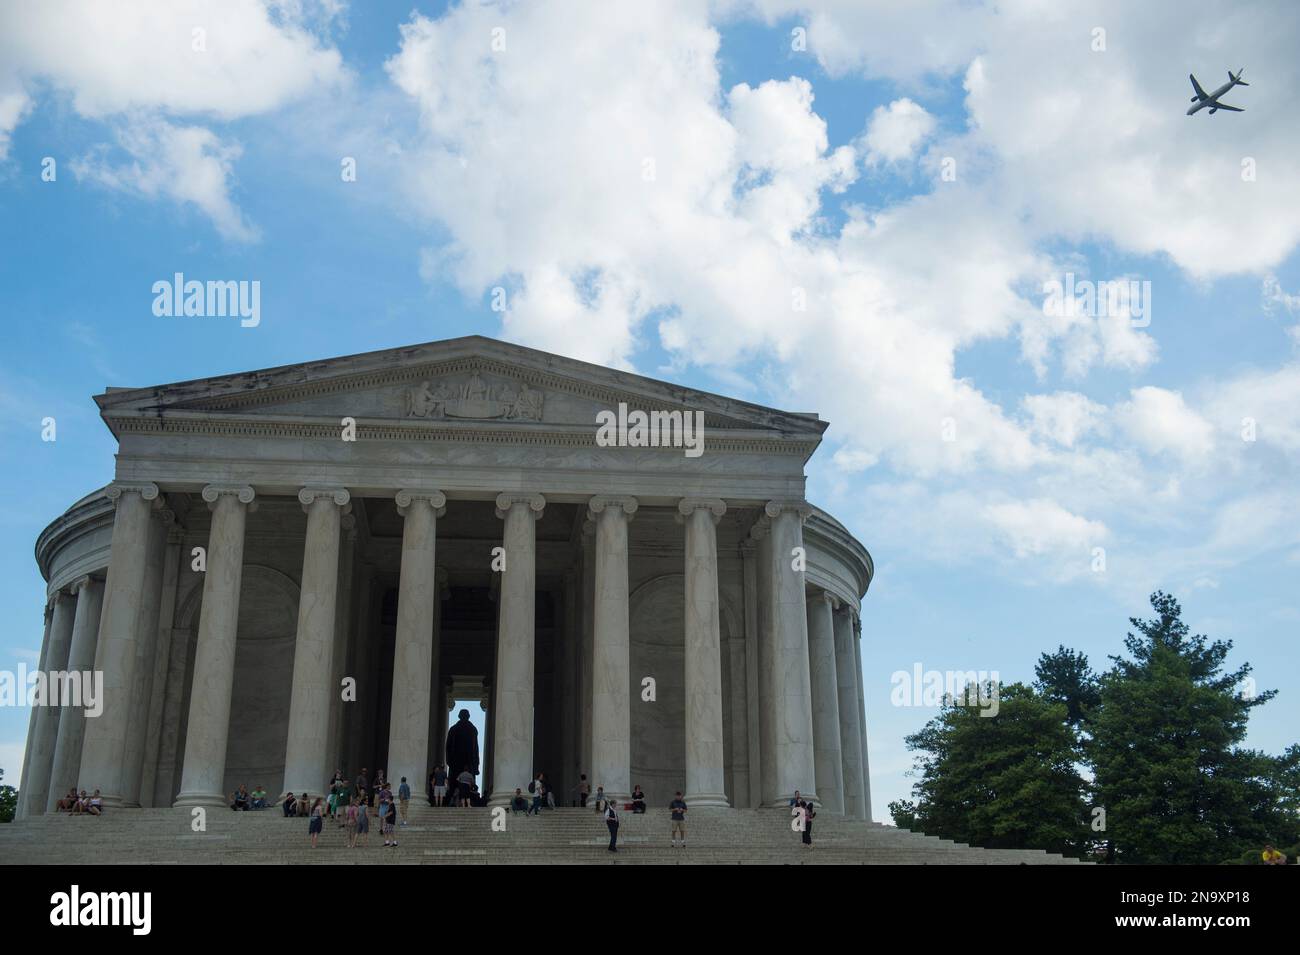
611, 820
363, 826
350, 817
464, 784
808, 815
584, 790
404, 798
677, 809
316, 822
390, 821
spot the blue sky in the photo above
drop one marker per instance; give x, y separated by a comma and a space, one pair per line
775, 169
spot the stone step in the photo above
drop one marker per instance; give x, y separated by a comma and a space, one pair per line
465, 836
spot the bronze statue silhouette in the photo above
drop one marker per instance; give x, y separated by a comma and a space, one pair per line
462, 746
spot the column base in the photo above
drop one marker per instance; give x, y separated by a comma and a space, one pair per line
707, 801
206, 800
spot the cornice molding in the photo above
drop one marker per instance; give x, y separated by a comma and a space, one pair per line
418, 429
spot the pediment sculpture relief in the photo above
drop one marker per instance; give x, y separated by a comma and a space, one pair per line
474, 399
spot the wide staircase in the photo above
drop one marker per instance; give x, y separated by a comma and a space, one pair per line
466, 836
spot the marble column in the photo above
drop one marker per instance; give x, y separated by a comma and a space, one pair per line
846, 675
586, 651
827, 751
862, 719
146, 650
792, 765
749, 573
306, 754
570, 700
203, 774
35, 789
342, 632
611, 715
705, 767
24, 781
512, 752
408, 725
103, 751
65, 764
161, 666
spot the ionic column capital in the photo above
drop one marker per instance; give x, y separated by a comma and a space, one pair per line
827, 596
146, 489
80, 584
688, 505
774, 509
312, 492
601, 502
240, 492
536, 503
434, 498
760, 529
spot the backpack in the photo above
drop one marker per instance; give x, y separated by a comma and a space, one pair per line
532, 786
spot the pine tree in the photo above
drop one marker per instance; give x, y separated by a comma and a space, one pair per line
1165, 738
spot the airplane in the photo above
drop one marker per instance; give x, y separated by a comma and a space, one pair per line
1203, 99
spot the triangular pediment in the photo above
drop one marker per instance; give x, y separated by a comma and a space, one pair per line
472, 380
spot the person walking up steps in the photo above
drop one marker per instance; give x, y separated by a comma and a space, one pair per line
611, 820
677, 809
404, 798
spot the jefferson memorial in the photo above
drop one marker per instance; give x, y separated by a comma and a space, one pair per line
302, 569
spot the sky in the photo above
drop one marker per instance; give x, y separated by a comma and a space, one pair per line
853, 207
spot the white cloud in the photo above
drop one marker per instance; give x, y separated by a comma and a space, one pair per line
1041, 527
140, 67
1064, 417
896, 131
1159, 421
14, 105
187, 164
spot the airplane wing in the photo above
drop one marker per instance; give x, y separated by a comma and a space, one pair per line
1200, 93
1231, 109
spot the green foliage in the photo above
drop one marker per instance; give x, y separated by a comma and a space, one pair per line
8, 801
1065, 677
1162, 733
903, 812
1005, 781
1165, 751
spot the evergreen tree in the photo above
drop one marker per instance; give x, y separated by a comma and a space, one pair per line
1065, 677
1165, 735
1000, 781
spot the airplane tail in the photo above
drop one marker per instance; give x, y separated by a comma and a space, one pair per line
1237, 79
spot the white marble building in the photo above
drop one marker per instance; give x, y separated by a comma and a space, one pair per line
349, 512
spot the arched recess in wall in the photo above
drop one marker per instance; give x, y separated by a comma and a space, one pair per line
259, 705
